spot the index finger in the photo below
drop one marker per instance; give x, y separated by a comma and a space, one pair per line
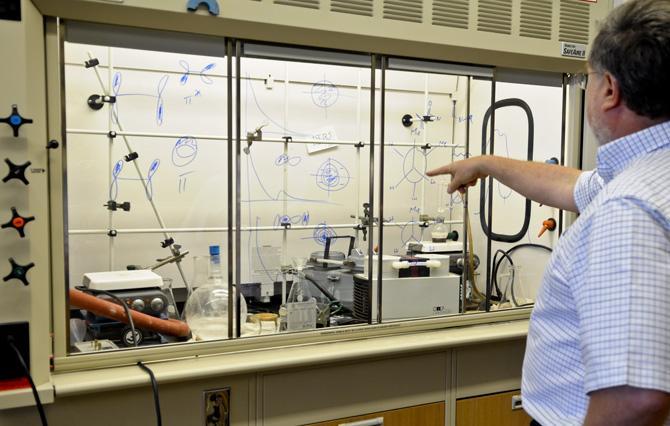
446, 169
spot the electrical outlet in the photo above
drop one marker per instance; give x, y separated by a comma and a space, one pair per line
10, 368
217, 407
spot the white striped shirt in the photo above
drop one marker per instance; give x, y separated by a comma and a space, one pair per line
602, 316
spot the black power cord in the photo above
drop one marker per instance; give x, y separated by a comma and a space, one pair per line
507, 255
120, 301
38, 402
154, 387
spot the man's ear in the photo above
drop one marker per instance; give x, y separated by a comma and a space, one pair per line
611, 92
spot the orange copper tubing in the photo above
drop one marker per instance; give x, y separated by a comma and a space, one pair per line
107, 309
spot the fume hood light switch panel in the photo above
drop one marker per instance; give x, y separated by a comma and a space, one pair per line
10, 10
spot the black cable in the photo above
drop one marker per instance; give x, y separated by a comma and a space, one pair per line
121, 302
494, 273
488, 231
507, 255
333, 303
38, 402
154, 387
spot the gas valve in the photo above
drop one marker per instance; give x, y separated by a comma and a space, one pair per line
17, 222
18, 272
17, 171
15, 120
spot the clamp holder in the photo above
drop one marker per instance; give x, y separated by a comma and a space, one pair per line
114, 206
96, 102
131, 157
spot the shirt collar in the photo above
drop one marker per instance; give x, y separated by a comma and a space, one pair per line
615, 156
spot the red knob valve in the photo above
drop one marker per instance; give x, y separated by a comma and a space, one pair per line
17, 222
547, 225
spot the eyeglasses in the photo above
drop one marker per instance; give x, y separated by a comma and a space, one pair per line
584, 79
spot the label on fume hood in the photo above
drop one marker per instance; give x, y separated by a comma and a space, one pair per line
573, 50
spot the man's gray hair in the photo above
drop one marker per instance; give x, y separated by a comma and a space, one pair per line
634, 46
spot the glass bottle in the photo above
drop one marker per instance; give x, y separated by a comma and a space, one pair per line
206, 310
440, 232
300, 310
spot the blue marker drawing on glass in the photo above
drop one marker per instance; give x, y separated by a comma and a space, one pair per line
251, 167
182, 181
184, 151
324, 94
289, 160
150, 175
160, 107
160, 90
116, 172
322, 232
187, 72
332, 176
298, 219
114, 187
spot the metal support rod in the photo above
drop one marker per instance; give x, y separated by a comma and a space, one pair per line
265, 140
424, 135
110, 144
238, 187
284, 246
371, 188
159, 219
563, 124
359, 163
381, 191
242, 229
489, 212
229, 165
466, 215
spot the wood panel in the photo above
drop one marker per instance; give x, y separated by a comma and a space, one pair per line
490, 410
423, 415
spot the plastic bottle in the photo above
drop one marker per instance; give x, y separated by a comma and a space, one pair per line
215, 275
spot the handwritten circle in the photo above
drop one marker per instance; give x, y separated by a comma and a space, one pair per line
332, 176
323, 232
324, 94
185, 151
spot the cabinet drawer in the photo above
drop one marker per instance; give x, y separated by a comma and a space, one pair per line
423, 415
490, 410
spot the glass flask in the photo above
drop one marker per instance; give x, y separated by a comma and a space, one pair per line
440, 231
206, 310
300, 310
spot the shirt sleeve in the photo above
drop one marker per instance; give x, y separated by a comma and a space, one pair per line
621, 287
587, 187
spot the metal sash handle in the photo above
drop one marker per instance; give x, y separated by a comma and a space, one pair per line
378, 421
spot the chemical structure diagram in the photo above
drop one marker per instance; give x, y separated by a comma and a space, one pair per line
332, 176
414, 166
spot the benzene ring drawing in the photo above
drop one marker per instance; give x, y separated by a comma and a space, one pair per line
324, 94
332, 176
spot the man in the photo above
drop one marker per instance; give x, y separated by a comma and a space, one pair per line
598, 348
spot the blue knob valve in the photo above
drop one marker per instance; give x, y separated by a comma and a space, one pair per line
15, 120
